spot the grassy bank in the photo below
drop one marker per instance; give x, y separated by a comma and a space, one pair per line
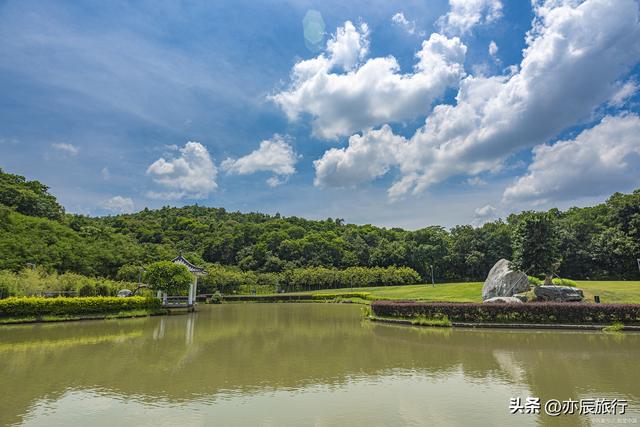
610, 292
69, 318
38, 309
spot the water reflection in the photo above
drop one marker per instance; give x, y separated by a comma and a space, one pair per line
248, 364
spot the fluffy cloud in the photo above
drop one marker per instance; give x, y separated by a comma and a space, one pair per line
349, 46
493, 49
466, 14
367, 157
274, 155
484, 214
66, 148
400, 20
275, 181
119, 204
598, 161
548, 92
191, 176
476, 181
623, 94
372, 93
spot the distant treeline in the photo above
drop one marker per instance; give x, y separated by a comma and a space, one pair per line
600, 242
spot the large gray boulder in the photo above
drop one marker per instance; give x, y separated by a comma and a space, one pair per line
502, 281
503, 300
558, 293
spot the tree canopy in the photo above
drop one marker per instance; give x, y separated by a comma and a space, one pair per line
536, 243
599, 242
168, 277
28, 197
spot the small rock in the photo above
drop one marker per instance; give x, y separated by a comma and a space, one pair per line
504, 300
502, 281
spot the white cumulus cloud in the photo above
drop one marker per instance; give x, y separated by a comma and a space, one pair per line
371, 93
367, 157
66, 148
549, 91
597, 162
400, 20
274, 155
466, 14
118, 204
192, 175
626, 91
484, 214
349, 46
493, 49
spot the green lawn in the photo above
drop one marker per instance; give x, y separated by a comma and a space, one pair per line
612, 292
618, 292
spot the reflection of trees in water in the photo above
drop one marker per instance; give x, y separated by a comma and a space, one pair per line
248, 348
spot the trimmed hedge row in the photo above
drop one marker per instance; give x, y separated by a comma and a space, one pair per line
267, 298
289, 297
38, 306
363, 295
547, 312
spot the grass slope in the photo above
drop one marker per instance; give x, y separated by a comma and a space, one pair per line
610, 292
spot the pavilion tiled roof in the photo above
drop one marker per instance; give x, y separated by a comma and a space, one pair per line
192, 268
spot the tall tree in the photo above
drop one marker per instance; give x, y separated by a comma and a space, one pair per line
28, 197
536, 244
168, 277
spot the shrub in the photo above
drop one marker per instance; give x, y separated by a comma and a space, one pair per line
549, 312
259, 289
87, 291
331, 278
269, 298
38, 306
227, 280
564, 282
615, 327
104, 290
33, 282
426, 321
363, 295
216, 298
6, 291
535, 281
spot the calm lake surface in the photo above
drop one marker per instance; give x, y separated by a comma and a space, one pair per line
302, 364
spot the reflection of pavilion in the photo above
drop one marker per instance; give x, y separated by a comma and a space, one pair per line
177, 301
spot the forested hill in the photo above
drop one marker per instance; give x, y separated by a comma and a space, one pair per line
595, 242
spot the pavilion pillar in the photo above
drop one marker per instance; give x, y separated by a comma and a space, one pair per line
191, 287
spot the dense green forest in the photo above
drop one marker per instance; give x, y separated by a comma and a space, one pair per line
599, 242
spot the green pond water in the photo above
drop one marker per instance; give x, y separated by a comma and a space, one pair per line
302, 364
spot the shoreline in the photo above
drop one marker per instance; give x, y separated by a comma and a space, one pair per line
72, 318
552, 326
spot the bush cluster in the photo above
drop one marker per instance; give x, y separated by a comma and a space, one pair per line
268, 298
362, 295
38, 306
229, 280
314, 278
556, 281
550, 312
564, 282
38, 282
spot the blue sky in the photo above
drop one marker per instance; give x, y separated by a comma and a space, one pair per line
99, 100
